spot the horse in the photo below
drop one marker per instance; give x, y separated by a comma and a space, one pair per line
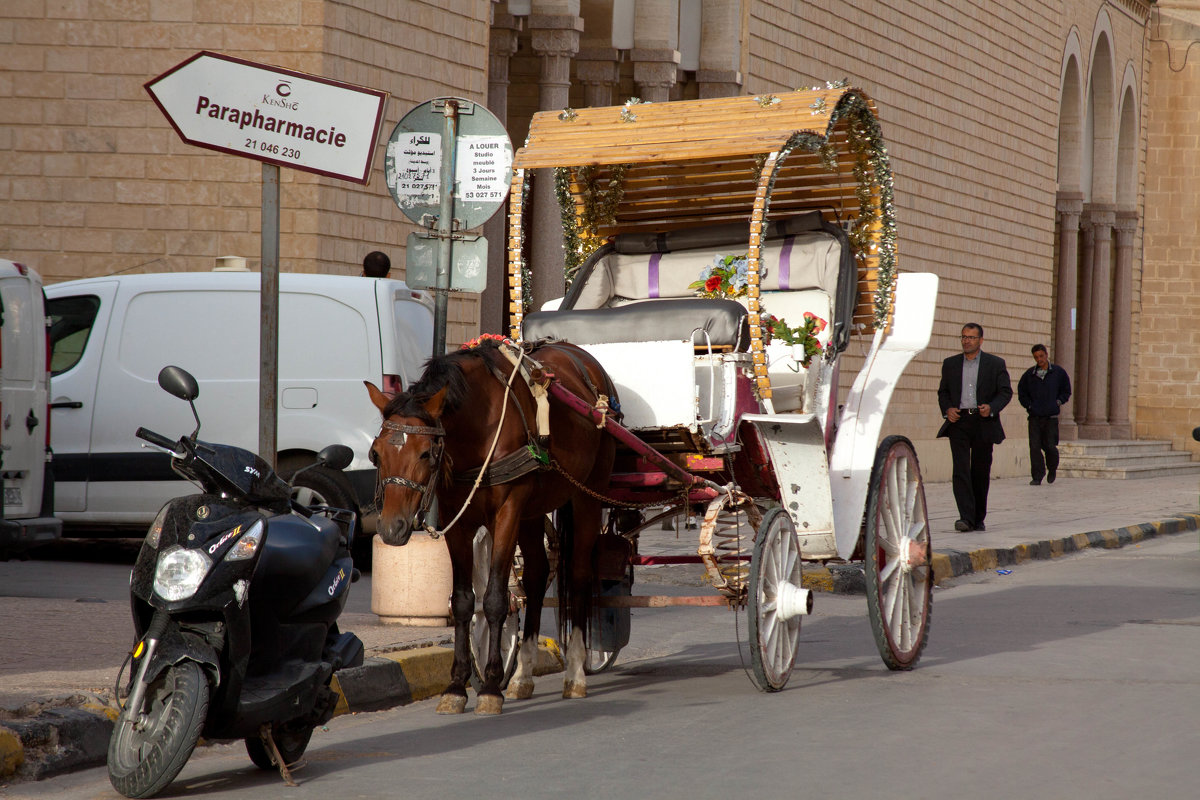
469, 408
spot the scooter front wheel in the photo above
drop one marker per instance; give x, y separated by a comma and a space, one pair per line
150, 745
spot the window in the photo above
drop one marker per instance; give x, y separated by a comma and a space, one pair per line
71, 320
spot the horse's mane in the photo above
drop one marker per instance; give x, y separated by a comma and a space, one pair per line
441, 372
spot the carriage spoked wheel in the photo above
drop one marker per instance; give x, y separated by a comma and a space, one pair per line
776, 601
510, 636
899, 571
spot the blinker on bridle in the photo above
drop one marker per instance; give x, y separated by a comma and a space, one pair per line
437, 434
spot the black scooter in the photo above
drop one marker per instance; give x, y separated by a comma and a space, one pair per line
236, 594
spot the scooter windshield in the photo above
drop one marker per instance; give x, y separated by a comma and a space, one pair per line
241, 471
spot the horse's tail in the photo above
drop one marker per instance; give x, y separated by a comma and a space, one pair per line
568, 593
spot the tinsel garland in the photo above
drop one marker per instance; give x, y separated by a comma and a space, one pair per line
599, 209
871, 168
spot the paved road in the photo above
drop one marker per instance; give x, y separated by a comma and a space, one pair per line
1069, 678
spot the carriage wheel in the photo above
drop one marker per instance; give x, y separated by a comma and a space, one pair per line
776, 601
510, 636
898, 567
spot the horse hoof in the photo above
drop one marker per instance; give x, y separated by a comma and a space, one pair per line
452, 704
519, 690
489, 705
573, 690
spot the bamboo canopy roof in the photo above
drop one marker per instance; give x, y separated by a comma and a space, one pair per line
656, 167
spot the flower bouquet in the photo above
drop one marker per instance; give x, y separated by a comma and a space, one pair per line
801, 336
726, 276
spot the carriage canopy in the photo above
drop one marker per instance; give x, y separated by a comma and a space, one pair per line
658, 167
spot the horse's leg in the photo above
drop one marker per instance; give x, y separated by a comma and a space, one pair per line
462, 606
534, 578
496, 600
586, 517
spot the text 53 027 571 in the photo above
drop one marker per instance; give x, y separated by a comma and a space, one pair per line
274, 149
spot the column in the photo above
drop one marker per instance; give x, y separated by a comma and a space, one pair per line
720, 74
598, 69
493, 303
555, 40
1122, 328
1095, 424
1070, 204
655, 72
1082, 341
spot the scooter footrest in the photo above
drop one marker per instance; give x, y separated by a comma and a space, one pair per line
265, 698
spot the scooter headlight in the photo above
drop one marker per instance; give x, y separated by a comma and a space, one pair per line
179, 573
247, 545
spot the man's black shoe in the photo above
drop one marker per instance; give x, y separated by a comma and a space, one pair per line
979, 526
962, 526
1036, 482
1050, 478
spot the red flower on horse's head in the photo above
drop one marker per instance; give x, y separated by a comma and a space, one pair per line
713, 283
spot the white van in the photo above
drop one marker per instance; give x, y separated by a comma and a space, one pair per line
27, 483
111, 336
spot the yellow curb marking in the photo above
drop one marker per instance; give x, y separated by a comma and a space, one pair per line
819, 579
982, 560
941, 568
12, 753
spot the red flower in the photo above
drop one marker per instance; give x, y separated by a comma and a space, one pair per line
713, 283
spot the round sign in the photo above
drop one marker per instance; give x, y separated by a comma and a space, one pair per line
482, 170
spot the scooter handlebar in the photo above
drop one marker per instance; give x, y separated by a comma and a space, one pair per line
157, 439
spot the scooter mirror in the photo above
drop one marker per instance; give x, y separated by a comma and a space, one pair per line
179, 382
336, 456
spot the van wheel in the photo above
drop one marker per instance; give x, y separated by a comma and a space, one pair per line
321, 486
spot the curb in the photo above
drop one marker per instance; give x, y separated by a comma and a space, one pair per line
74, 734
947, 564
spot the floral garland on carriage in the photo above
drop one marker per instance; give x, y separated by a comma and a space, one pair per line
728, 276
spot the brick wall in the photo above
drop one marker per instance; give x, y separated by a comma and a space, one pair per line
93, 181
1168, 361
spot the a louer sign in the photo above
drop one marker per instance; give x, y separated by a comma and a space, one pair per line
272, 114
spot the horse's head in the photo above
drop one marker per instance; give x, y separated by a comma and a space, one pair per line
407, 455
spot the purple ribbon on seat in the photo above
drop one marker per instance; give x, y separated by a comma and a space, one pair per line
785, 263
654, 259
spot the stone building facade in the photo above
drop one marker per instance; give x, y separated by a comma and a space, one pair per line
1041, 153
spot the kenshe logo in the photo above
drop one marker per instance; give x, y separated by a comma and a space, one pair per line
283, 90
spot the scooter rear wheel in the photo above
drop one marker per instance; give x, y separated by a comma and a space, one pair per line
291, 741
149, 746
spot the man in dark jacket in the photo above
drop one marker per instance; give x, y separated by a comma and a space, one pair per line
1042, 391
974, 389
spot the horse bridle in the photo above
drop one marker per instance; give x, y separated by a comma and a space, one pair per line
438, 434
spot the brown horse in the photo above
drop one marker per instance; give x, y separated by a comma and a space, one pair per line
467, 409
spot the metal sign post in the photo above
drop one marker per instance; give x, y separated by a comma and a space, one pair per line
445, 228
448, 166
282, 118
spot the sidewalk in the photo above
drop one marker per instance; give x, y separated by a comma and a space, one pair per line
56, 707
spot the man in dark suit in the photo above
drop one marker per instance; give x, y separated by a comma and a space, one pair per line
973, 390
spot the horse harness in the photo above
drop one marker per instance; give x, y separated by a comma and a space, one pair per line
435, 432
533, 457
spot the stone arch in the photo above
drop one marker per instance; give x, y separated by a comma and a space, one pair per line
1100, 126
1127, 142
1070, 117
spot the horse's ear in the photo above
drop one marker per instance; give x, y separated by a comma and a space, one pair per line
377, 397
434, 405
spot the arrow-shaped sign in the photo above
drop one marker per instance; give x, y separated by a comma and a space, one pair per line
272, 114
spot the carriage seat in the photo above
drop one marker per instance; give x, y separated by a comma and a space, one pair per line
724, 323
